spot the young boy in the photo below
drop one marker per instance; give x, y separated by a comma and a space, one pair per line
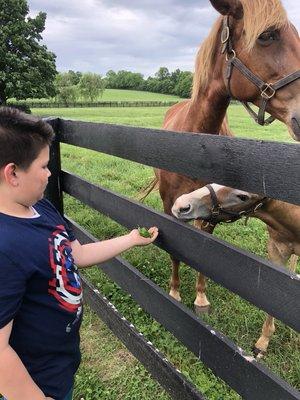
40, 291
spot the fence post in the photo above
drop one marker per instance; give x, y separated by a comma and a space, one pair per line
53, 191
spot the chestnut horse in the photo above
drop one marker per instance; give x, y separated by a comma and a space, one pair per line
251, 54
222, 203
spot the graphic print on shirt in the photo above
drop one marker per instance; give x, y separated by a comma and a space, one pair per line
65, 285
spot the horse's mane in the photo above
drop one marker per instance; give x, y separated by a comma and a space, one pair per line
259, 15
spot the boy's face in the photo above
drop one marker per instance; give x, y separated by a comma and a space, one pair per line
33, 181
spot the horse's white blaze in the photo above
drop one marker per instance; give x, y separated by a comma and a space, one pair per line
217, 187
185, 200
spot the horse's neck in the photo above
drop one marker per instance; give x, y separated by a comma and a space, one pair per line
205, 114
207, 111
281, 216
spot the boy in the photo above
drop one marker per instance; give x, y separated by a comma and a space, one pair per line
40, 291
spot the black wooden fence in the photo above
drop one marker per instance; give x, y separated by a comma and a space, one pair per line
257, 166
83, 104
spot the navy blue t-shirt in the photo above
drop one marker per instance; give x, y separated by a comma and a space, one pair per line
40, 290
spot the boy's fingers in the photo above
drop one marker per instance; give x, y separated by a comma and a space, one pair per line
154, 233
153, 230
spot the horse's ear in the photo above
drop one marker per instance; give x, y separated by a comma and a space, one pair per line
229, 7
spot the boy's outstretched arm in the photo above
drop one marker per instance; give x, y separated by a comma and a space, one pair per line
96, 253
15, 381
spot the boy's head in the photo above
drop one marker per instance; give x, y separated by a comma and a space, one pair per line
22, 137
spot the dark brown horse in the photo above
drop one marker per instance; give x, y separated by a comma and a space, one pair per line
282, 219
252, 54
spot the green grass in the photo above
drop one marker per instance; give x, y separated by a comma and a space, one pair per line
107, 370
121, 95
152, 117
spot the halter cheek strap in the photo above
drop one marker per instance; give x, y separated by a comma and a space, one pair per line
267, 90
216, 209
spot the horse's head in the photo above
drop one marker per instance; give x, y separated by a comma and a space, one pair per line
216, 203
260, 58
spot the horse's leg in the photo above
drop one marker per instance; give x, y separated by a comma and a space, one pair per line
267, 331
201, 303
175, 280
278, 253
293, 262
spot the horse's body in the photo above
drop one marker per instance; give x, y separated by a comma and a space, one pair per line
282, 219
257, 34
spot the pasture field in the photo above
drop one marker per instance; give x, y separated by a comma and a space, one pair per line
121, 95
152, 117
108, 371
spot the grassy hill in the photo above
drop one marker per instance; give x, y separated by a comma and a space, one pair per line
120, 95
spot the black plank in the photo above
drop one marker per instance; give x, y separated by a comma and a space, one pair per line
249, 378
53, 191
264, 167
159, 367
269, 287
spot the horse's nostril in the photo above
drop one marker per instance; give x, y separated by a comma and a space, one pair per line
185, 210
243, 197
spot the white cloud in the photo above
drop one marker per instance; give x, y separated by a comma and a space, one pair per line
98, 35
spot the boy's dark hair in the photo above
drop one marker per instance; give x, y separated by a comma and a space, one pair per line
22, 137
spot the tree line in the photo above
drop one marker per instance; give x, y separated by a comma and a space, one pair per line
28, 70
164, 81
71, 86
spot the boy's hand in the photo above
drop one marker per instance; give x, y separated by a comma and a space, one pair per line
139, 240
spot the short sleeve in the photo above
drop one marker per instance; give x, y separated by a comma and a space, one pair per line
12, 289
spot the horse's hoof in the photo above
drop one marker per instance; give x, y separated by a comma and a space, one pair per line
258, 353
175, 295
202, 310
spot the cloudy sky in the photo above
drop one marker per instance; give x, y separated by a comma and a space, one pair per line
135, 35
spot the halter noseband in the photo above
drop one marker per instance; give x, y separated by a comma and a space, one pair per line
216, 209
267, 90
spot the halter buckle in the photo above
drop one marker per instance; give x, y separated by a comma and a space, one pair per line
215, 211
264, 91
231, 55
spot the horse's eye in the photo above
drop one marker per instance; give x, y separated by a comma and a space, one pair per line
268, 37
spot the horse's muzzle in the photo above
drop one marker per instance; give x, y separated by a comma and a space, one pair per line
295, 123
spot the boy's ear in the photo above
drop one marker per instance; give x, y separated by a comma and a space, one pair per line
9, 174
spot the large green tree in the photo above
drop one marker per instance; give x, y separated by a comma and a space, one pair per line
184, 84
66, 91
27, 68
91, 86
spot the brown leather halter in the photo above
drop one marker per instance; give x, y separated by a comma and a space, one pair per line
216, 209
267, 90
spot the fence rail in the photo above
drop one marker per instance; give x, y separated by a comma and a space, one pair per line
96, 104
213, 158
159, 367
233, 162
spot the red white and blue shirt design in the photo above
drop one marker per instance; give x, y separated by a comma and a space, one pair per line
41, 291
